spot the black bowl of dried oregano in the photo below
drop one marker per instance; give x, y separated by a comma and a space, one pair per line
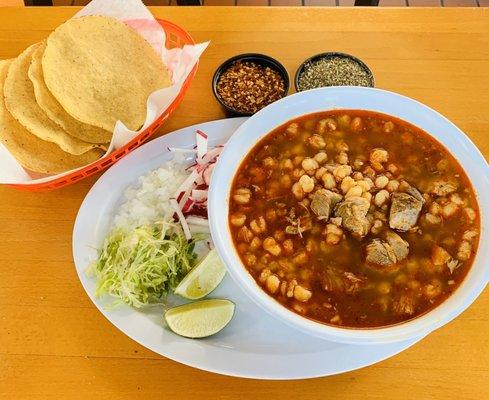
332, 69
246, 83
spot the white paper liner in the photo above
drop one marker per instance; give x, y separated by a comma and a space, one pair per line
179, 61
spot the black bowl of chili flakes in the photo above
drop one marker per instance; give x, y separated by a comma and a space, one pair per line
246, 83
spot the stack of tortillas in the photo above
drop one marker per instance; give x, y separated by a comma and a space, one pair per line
62, 97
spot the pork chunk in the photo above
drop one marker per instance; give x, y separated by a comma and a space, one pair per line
323, 202
387, 253
353, 212
380, 254
439, 256
405, 209
441, 187
404, 304
334, 280
399, 246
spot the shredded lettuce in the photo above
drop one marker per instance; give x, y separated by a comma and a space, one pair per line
141, 266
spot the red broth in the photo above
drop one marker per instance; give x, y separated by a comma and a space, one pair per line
354, 218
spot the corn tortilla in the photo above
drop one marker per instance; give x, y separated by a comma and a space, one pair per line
53, 109
31, 152
21, 103
108, 71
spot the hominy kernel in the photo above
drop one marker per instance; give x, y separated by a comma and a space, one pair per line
320, 172
392, 186
310, 165
307, 183
381, 197
342, 158
347, 183
381, 181
321, 157
328, 180
354, 191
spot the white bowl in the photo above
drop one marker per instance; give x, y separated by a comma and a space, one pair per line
383, 101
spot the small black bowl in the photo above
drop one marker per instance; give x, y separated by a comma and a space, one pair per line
330, 55
260, 59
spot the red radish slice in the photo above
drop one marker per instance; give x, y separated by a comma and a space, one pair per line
181, 218
190, 199
202, 141
187, 206
210, 155
187, 183
185, 198
207, 174
199, 181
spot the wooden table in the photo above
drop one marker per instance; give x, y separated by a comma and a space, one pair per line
54, 344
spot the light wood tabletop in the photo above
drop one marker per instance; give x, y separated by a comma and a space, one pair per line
54, 343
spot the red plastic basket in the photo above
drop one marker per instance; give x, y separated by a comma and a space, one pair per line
175, 37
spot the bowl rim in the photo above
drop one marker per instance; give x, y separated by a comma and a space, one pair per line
229, 161
329, 54
270, 61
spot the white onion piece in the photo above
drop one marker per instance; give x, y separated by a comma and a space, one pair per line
180, 150
194, 220
199, 229
199, 194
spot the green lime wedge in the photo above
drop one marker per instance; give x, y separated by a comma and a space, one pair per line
200, 319
203, 278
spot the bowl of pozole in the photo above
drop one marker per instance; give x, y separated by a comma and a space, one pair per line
353, 214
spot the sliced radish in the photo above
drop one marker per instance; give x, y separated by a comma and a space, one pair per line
207, 174
202, 141
187, 206
181, 219
190, 199
187, 183
211, 154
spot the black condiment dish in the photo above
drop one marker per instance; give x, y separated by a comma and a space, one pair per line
331, 54
257, 58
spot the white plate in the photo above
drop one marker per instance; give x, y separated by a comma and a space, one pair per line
254, 345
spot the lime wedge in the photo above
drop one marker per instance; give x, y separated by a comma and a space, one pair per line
200, 319
203, 278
